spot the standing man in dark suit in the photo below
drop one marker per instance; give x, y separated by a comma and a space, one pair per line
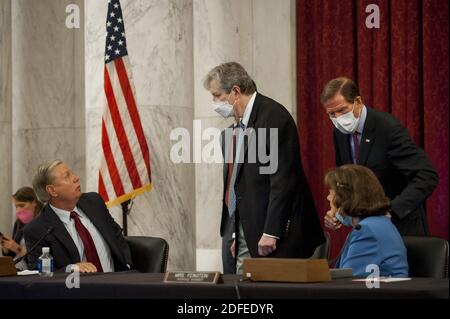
80, 231
267, 194
378, 141
227, 225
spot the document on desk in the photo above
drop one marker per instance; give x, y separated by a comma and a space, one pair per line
383, 279
27, 272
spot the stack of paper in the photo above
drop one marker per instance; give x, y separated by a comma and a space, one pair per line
27, 272
383, 279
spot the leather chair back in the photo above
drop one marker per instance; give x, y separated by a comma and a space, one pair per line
427, 256
322, 251
149, 254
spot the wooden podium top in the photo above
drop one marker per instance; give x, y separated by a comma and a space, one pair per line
286, 270
7, 267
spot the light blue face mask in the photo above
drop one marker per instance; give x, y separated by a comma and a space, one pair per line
346, 221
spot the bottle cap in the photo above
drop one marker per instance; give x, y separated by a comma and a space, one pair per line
45, 250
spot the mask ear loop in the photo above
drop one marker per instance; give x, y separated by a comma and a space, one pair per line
229, 97
232, 105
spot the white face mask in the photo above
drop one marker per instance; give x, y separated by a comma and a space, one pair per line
346, 123
224, 108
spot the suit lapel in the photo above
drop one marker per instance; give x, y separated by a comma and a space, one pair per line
225, 172
367, 138
251, 133
227, 137
344, 147
61, 233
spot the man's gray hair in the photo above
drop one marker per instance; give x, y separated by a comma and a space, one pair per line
229, 74
42, 178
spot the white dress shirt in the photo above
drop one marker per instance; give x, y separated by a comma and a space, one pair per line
102, 247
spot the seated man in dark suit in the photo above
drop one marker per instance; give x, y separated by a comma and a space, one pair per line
80, 231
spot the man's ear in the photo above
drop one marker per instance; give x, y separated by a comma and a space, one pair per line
237, 90
51, 190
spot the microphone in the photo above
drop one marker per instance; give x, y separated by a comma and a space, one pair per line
18, 260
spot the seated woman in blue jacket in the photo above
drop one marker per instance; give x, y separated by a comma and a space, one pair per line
357, 200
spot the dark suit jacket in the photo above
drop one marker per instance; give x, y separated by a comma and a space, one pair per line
403, 169
278, 204
62, 247
17, 236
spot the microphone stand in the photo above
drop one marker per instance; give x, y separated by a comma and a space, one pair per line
126, 208
18, 260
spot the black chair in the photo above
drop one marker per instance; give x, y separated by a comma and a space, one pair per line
149, 254
427, 256
322, 251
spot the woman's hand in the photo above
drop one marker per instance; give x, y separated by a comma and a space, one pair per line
10, 245
330, 220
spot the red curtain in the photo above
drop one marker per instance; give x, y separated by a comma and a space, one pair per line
401, 68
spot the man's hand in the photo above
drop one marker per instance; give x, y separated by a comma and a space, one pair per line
233, 248
330, 220
266, 245
85, 267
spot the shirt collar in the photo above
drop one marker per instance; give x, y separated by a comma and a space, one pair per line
64, 215
362, 120
248, 110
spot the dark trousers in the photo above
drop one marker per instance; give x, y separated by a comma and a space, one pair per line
229, 263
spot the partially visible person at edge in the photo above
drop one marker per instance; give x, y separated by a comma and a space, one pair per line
27, 208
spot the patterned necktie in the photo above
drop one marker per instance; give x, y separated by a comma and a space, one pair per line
355, 147
89, 247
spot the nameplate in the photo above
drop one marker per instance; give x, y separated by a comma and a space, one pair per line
199, 277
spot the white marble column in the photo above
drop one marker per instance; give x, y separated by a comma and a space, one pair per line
47, 88
259, 34
274, 50
159, 40
5, 117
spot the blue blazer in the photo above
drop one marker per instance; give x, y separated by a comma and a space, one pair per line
376, 242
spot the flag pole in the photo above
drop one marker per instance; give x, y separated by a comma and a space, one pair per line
125, 212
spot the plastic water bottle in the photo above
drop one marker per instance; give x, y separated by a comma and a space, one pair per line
45, 263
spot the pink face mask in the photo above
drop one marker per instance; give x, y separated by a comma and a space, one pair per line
25, 216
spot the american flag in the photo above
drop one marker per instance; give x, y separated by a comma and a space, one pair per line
125, 165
